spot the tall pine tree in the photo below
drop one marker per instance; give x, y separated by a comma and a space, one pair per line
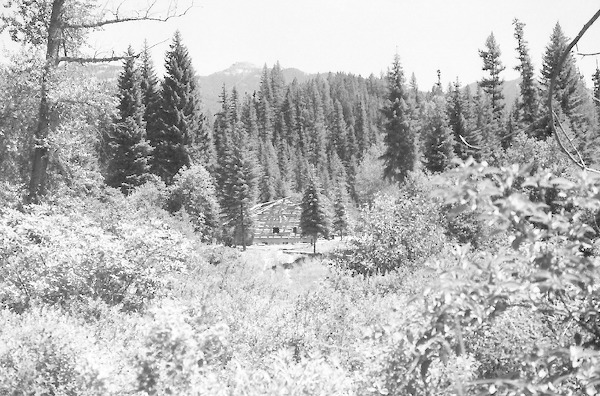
492, 85
129, 150
150, 94
528, 105
238, 185
314, 219
181, 120
438, 149
400, 156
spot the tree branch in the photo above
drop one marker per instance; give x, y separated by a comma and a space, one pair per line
104, 59
117, 19
467, 144
555, 72
581, 162
584, 54
82, 60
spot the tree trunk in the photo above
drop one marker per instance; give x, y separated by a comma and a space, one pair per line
315, 245
41, 149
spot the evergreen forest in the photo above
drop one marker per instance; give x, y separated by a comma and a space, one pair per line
454, 233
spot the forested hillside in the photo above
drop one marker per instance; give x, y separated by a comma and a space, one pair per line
457, 228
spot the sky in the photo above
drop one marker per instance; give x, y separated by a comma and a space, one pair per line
358, 36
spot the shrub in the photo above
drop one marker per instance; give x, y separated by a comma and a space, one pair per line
55, 258
178, 346
541, 268
44, 353
194, 192
395, 231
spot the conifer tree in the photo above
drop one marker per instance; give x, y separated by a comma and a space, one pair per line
492, 85
277, 84
150, 93
596, 91
573, 100
340, 136
340, 213
129, 150
239, 185
439, 143
467, 138
181, 120
271, 176
265, 112
337, 171
529, 102
363, 130
569, 90
488, 128
314, 219
318, 146
400, 156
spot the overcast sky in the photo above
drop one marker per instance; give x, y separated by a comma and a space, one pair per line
361, 36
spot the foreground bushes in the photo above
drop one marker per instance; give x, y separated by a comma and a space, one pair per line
519, 319
55, 256
43, 352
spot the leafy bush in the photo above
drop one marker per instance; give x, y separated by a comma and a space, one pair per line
395, 231
194, 192
541, 269
44, 353
55, 258
177, 347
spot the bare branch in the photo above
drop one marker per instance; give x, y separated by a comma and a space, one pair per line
581, 162
96, 60
467, 144
118, 19
105, 59
584, 54
555, 72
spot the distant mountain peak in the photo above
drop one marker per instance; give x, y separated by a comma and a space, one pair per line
241, 68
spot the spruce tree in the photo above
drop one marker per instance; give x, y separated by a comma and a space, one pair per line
150, 94
129, 150
400, 156
492, 85
439, 143
314, 219
340, 213
239, 185
467, 138
181, 120
596, 91
271, 177
573, 101
528, 105
339, 134
363, 130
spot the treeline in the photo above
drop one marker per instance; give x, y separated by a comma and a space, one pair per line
285, 131
273, 142
434, 128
